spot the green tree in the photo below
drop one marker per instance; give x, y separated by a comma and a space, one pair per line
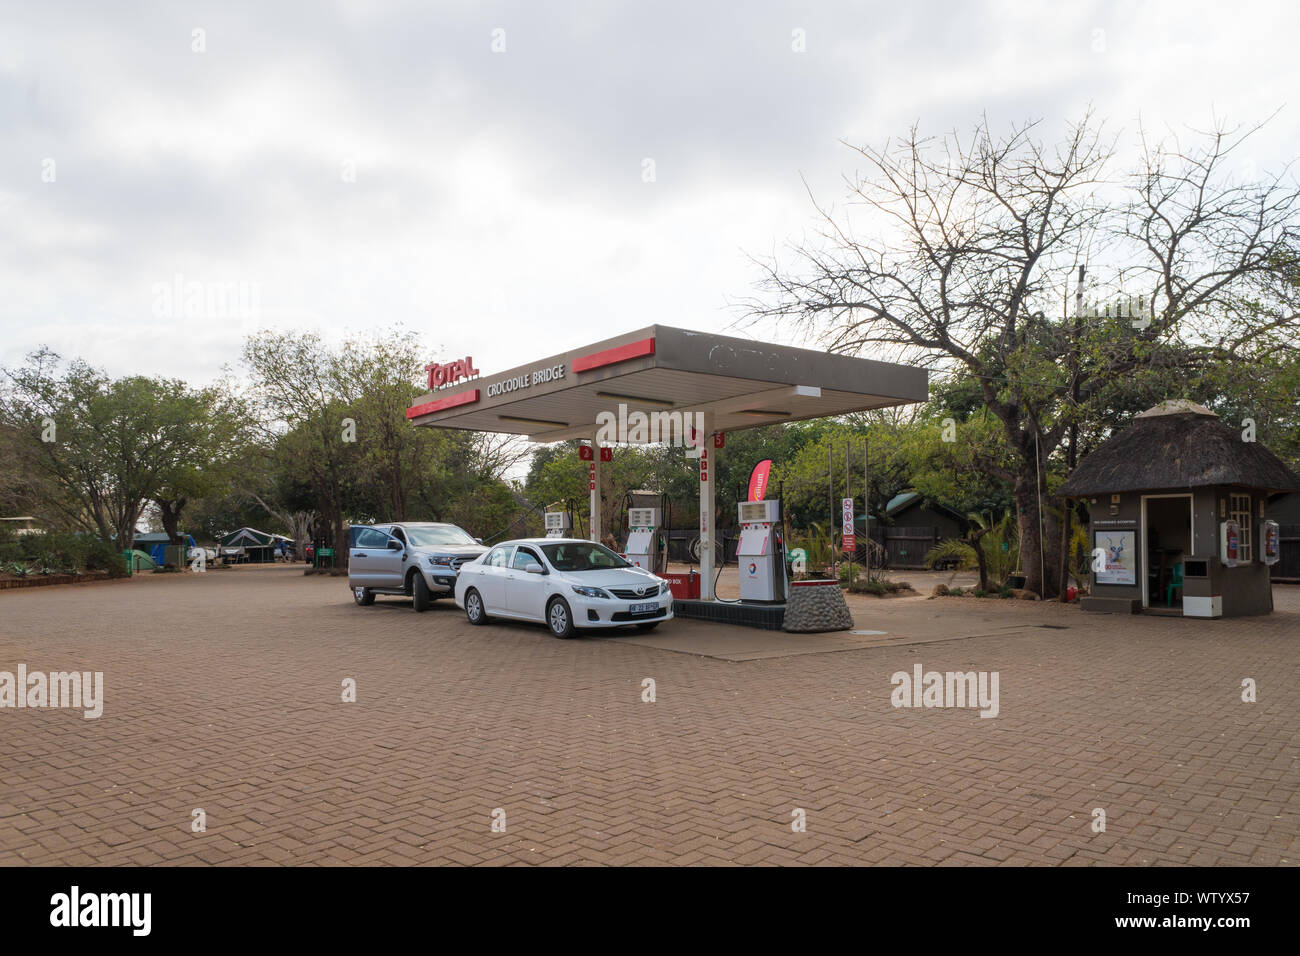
100, 449
974, 239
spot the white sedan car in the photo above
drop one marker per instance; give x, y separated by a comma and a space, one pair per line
564, 583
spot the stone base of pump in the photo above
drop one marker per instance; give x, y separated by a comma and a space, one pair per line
769, 617
816, 606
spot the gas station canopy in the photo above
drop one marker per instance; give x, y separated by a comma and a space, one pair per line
738, 383
716, 382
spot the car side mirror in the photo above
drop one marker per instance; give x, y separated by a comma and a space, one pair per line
394, 544
479, 540
535, 569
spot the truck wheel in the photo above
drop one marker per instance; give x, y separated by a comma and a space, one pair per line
363, 596
419, 592
559, 618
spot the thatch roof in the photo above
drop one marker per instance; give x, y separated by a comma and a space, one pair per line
1178, 445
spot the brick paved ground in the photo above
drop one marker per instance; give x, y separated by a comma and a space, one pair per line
223, 692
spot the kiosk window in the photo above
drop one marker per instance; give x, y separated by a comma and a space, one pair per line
1239, 511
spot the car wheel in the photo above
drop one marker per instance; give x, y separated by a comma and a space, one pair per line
363, 597
474, 607
420, 592
559, 618
647, 626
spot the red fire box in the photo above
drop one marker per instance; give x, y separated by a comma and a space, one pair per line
684, 584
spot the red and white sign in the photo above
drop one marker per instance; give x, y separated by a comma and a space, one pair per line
719, 439
440, 376
584, 453
850, 543
1231, 543
704, 465
847, 531
758, 480
1271, 541
607, 454
591, 478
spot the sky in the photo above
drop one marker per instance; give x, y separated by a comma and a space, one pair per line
511, 180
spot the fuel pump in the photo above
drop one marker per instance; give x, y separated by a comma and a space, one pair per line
643, 538
557, 524
760, 553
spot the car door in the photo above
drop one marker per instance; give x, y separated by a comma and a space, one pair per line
492, 577
395, 571
526, 590
371, 562
363, 555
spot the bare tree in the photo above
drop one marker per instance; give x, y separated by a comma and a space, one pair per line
963, 259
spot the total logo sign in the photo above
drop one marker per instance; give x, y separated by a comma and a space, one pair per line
753, 569
440, 376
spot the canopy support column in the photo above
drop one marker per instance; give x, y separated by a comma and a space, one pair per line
597, 519
708, 520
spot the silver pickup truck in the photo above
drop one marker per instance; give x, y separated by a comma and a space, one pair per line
418, 559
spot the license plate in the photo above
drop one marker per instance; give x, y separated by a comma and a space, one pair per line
642, 608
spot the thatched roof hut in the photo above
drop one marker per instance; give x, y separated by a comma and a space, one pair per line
1178, 445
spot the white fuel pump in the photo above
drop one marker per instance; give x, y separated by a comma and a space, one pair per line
643, 538
557, 524
762, 566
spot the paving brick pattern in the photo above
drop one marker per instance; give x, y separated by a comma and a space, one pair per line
223, 693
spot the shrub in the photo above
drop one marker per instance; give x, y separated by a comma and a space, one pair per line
102, 556
58, 552
980, 593
878, 587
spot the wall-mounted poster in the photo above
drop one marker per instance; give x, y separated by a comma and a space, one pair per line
1120, 549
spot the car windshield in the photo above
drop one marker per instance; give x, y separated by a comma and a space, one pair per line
582, 556
437, 536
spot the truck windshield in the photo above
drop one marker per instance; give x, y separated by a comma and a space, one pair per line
582, 556
438, 536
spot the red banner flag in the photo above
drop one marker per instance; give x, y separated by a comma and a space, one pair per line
758, 480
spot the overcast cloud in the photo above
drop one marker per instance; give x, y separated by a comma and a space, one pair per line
499, 207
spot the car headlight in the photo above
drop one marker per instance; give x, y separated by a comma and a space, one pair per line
438, 561
588, 592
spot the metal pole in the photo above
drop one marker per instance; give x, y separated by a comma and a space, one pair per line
866, 502
830, 475
848, 490
1042, 572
